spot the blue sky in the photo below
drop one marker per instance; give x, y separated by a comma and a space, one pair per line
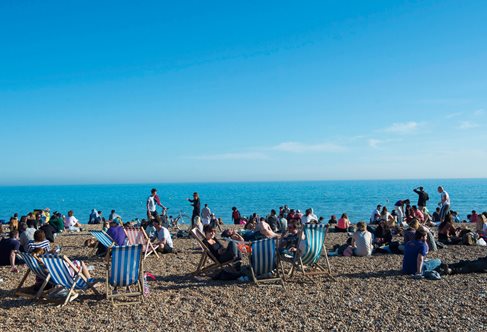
124, 92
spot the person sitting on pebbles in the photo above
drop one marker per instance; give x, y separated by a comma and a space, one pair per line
414, 261
362, 241
163, 238
265, 229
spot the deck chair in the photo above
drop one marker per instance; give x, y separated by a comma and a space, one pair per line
264, 263
35, 266
104, 239
310, 247
206, 255
124, 270
59, 270
137, 235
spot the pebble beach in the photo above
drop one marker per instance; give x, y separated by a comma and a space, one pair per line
369, 294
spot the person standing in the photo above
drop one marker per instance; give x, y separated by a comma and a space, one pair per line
444, 203
423, 197
152, 202
206, 215
195, 202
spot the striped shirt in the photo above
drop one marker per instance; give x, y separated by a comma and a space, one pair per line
36, 245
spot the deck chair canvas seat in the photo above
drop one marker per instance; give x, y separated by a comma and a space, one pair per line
104, 239
59, 269
310, 248
35, 266
264, 263
137, 235
208, 257
124, 271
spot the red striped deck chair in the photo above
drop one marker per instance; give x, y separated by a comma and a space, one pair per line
137, 235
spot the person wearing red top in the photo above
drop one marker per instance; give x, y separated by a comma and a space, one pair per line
343, 224
418, 214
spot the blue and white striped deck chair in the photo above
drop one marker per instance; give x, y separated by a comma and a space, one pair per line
103, 238
124, 270
36, 267
310, 249
59, 268
264, 263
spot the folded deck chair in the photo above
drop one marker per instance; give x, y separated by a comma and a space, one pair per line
206, 255
264, 263
124, 270
137, 235
35, 266
104, 239
59, 268
310, 247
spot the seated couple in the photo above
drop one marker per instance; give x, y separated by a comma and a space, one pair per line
262, 231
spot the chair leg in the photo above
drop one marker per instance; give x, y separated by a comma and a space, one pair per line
22, 281
44, 284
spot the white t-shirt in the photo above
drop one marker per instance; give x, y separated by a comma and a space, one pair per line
375, 215
163, 234
363, 242
445, 197
151, 204
70, 221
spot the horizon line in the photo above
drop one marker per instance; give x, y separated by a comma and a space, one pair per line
230, 181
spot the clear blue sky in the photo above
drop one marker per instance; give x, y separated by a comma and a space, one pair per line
122, 92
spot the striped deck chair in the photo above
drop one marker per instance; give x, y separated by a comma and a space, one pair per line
264, 263
137, 235
59, 269
310, 248
206, 255
124, 270
104, 239
35, 266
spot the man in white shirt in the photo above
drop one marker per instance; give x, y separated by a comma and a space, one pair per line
206, 215
375, 216
163, 238
444, 204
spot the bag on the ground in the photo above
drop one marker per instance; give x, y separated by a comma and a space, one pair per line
432, 275
227, 275
468, 239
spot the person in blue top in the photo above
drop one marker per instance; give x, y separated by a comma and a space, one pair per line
415, 252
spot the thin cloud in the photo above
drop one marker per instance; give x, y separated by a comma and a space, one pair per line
467, 125
233, 156
452, 115
479, 112
295, 147
374, 143
403, 128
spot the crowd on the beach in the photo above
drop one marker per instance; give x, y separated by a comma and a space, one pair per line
406, 229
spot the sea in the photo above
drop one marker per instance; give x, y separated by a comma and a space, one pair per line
357, 198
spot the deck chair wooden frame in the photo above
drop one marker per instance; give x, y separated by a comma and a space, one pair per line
265, 264
35, 266
208, 257
139, 291
60, 275
103, 238
309, 267
137, 235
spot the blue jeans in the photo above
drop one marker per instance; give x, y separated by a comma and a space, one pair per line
431, 264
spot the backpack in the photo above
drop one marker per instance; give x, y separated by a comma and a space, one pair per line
468, 239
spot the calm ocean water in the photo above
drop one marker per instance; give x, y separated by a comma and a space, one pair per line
357, 198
